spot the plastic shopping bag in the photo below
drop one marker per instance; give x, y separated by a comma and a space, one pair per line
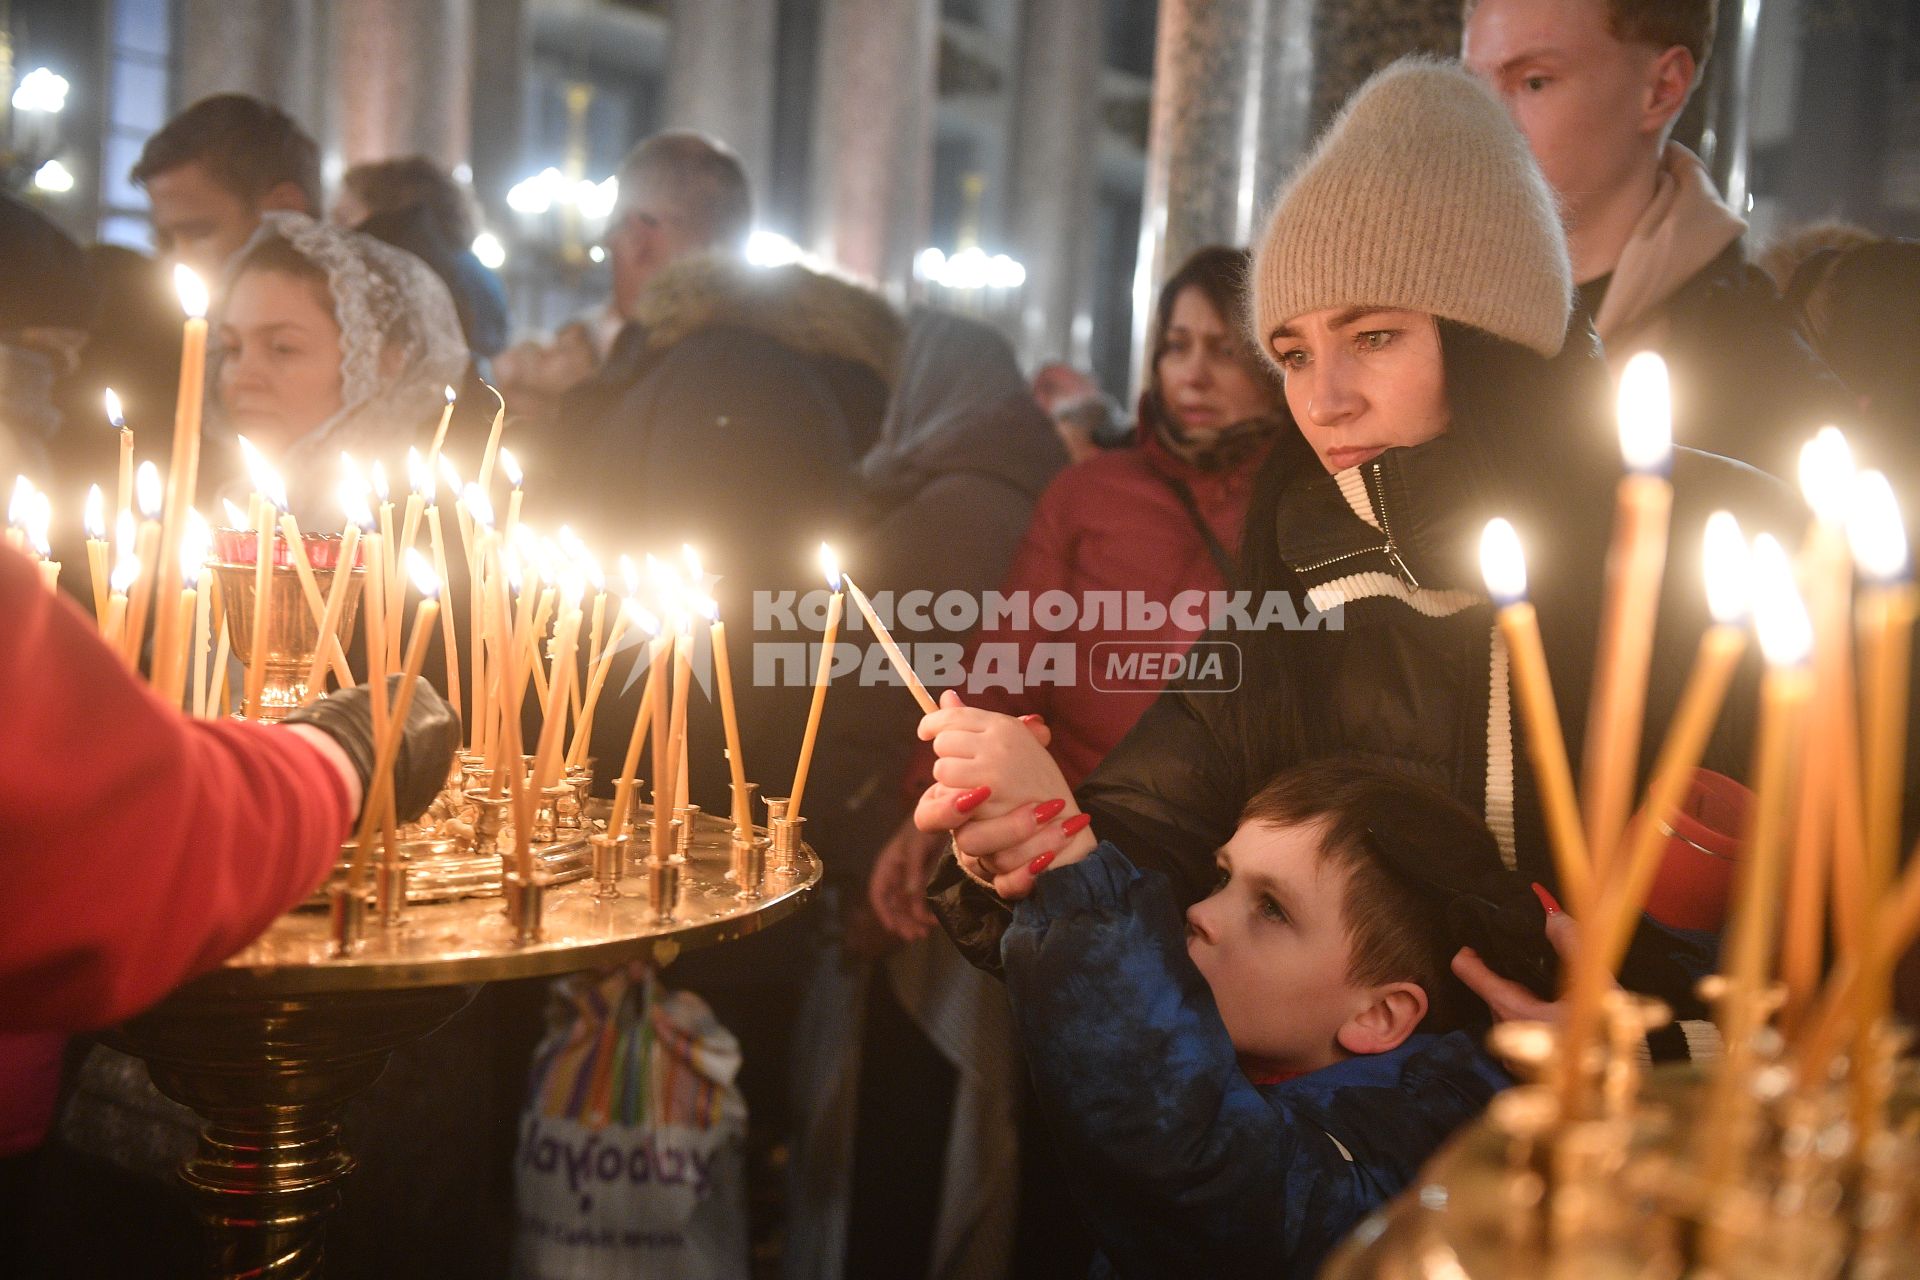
631, 1159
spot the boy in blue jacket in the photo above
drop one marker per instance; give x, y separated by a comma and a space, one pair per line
1232, 1092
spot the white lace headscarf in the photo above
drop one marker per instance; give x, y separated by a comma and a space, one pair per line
400, 348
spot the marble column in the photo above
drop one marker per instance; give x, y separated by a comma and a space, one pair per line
403, 79
1053, 175
274, 50
1716, 122
872, 155
720, 78
1240, 88
501, 51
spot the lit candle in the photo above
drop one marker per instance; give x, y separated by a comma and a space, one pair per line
123, 497
95, 520
440, 436
546, 756
17, 503
40, 539
598, 665
262, 596
730, 721
183, 468
900, 663
492, 450
510, 468
193, 567
642, 721
195, 541
389, 543
1635, 564
126, 571
389, 727
353, 499
147, 492
662, 755
477, 514
436, 538
1505, 568
1786, 638
409, 532
829, 565
1829, 763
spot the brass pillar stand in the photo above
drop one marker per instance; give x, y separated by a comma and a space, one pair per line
270, 1074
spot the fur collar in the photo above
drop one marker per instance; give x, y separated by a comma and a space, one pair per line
813, 313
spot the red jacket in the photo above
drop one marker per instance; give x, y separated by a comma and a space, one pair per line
138, 847
1110, 524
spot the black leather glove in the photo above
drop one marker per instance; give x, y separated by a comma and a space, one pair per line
427, 743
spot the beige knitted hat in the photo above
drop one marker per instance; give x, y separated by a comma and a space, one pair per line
1420, 195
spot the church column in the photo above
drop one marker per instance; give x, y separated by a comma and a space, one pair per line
720, 78
403, 74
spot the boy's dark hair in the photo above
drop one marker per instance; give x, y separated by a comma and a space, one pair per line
1660, 23
248, 146
388, 185
1424, 878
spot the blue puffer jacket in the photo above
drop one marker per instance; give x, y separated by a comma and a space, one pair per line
1180, 1165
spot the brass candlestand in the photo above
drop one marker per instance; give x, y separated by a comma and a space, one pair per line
292, 634
268, 1048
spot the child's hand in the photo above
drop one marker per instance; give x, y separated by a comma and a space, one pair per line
1003, 796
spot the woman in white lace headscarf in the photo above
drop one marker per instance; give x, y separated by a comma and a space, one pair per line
329, 340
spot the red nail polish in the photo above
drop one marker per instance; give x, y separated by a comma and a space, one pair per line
1040, 863
1047, 810
1546, 899
968, 801
1075, 825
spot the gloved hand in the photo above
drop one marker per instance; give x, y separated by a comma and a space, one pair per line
427, 741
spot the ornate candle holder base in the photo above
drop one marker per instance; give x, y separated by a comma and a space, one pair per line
292, 634
269, 1047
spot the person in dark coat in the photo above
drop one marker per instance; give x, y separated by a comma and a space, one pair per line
1413, 283
413, 204
1597, 86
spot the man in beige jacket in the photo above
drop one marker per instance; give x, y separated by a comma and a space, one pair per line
1596, 86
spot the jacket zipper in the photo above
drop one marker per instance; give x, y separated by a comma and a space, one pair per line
1386, 528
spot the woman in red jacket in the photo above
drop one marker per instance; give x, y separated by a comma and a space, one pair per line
1143, 527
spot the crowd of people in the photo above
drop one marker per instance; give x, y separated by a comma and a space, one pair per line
1105, 974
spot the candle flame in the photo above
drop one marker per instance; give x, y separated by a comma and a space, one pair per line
510, 468
477, 506
124, 533
707, 607
692, 557
266, 481
573, 586
451, 397
1729, 569
420, 476
644, 618
18, 502
1646, 413
378, 474
1779, 614
115, 417
1502, 563
195, 541
630, 575
420, 569
146, 488
1875, 530
353, 500
94, 516
451, 474
39, 525
192, 290
126, 570
830, 565
510, 567
236, 518
1826, 474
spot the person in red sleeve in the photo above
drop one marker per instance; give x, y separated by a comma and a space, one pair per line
1142, 524
140, 847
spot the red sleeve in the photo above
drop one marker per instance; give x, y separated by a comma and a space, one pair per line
138, 847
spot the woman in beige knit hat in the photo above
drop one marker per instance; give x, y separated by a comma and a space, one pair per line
1413, 287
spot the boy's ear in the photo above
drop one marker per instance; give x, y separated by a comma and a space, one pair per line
1395, 1009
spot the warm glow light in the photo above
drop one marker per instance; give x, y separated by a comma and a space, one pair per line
266, 481
695, 575
771, 249
378, 474
192, 290
126, 570
1502, 563
492, 254
114, 414
1875, 529
644, 618
420, 569
236, 518
1645, 414
1729, 569
510, 468
41, 90
630, 575
1826, 474
147, 490
830, 565
19, 500
451, 474
353, 500
53, 177
419, 476
707, 607
477, 505
39, 524
124, 532
93, 516
1780, 615
195, 541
